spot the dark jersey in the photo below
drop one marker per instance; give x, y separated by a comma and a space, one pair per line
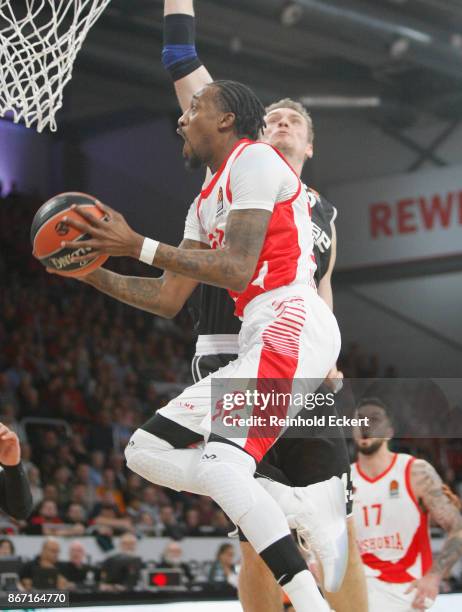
212, 309
15, 494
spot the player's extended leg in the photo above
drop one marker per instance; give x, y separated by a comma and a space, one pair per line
352, 597
226, 473
258, 590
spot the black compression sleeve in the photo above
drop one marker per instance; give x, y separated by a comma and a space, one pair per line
15, 494
179, 55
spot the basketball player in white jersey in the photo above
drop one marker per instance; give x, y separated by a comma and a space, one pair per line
395, 497
249, 230
293, 462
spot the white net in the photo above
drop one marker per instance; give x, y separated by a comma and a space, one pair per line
39, 41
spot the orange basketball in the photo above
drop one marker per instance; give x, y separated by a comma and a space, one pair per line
48, 230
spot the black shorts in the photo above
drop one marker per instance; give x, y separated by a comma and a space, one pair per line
297, 462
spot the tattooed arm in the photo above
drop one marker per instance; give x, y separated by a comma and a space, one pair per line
428, 488
231, 267
164, 296
258, 178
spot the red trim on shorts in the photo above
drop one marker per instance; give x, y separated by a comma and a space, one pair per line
276, 371
384, 473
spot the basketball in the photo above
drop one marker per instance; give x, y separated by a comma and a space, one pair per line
48, 230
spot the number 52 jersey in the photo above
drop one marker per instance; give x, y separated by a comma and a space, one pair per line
256, 176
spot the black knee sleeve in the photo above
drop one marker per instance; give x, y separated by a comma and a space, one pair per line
284, 559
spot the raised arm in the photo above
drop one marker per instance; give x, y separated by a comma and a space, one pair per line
429, 489
179, 54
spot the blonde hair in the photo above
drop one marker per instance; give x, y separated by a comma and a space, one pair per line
298, 108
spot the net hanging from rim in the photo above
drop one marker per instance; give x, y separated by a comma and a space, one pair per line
39, 41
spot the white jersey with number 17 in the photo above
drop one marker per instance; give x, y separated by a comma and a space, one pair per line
392, 528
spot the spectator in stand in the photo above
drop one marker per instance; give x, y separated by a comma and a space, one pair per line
98, 460
79, 495
152, 498
122, 571
43, 572
49, 448
26, 456
109, 487
192, 523
101, 435
77, 571
133, 486
83, 478
77, 448
145, 525
116, 462
76, 514
223, 570
106, 515
50, 492
6, 548
169, 526
44, 520
207, 509
172, 558
66, 457
8, 418
62, 481
221, 526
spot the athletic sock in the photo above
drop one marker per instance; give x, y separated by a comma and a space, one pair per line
304, 594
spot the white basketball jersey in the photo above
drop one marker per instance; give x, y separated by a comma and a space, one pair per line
392, 528
286, 256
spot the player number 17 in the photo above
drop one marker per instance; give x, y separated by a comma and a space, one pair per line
368, 511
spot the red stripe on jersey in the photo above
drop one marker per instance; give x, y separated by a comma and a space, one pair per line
276, 370
396, 572
213, 181
280, 250
407, 476
366, 477
424, 543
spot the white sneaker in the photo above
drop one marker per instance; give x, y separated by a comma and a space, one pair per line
321, 527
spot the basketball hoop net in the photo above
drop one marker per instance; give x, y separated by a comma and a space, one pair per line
39, 41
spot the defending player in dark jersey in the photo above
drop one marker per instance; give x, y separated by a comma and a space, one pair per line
295, 462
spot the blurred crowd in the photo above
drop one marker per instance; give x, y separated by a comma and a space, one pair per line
78, 373
121, 570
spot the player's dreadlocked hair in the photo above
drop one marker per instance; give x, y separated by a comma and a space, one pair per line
239, 99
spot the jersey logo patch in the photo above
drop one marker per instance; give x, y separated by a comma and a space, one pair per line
220, 202
394, 488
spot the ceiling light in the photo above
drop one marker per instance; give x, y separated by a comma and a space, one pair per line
291, 14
